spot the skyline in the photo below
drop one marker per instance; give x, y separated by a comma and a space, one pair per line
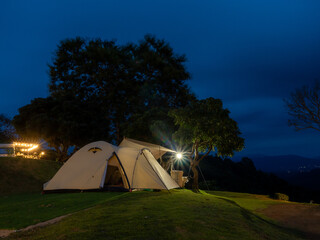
249, 54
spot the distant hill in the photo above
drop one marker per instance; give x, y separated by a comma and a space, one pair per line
296, 170
21, 175
239, 176
310, 179
283, 163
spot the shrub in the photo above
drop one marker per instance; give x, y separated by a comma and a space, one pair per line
280, 196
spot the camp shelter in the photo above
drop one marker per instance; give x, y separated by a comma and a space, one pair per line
156, 150
101, 165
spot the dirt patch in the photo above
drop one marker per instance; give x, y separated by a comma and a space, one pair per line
5, 233
303, 217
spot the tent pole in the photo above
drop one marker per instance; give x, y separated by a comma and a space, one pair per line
203, 177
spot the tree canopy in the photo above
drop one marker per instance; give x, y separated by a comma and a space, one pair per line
125, 80
62, 123
304, 107
7, 131
102, 90
206, 126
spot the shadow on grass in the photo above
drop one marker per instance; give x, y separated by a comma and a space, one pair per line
248, 215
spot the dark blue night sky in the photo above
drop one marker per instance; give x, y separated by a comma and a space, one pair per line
251, 54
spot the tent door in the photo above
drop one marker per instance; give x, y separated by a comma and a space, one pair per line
115, 176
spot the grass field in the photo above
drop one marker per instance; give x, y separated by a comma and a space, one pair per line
248, 201
180, 214
18, 211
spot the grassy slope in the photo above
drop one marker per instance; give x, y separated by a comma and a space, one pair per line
248, 201
160, 215
20, 175
22, 210
138, 215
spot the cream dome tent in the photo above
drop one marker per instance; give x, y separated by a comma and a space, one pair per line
103, 165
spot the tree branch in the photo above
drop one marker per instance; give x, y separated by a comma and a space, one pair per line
206, 154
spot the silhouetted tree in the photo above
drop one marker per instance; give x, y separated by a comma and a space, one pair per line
62, 122
206, 125
128, 82
304, 107
7, 131
242, 176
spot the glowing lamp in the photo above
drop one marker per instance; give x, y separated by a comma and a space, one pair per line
179, 155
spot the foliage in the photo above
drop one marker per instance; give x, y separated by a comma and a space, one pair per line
127, 81
207, 126
7, 131
224, 174
100, 90
62, 122
160, 215
304, 107
280, 196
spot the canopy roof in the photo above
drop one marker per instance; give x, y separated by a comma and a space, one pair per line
156, 150
6, 145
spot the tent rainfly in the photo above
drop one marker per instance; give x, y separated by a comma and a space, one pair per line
103, 165
156, 150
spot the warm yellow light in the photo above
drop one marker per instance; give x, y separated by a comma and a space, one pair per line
42, 153
179, 155
33, 147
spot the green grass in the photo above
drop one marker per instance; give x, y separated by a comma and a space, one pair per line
248, 201
180, 214
18, 211
21, 175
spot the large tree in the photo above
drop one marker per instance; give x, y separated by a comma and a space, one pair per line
304, 107
103, 90
62, 122
125, 80
206, 126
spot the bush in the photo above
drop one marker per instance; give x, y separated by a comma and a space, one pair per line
280, 196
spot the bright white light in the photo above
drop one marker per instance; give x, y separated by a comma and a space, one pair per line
179, 155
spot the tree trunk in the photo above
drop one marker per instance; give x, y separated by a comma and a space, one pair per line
195, 182
195, 163
62, 153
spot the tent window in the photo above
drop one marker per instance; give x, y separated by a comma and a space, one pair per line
113, 177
